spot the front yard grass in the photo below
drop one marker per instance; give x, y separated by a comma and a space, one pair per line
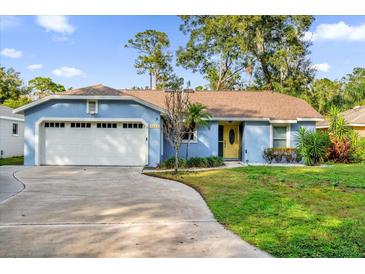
16, 161
289, 211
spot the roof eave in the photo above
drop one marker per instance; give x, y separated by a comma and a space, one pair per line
85, 97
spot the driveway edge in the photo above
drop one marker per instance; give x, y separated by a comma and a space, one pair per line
13, 178
157, 175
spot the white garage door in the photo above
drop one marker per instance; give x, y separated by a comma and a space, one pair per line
94, 143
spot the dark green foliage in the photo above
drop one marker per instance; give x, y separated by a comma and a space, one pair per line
154, 59
197, 116
268, 49
200, 162
215, 161
11, 85
313, 146
346, 144
169, 163
197, 162
343, 94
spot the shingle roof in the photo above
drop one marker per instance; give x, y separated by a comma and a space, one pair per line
95, 90
352, 116
250, 104
8, 112
247, 104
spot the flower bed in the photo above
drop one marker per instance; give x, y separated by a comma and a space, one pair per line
288, 155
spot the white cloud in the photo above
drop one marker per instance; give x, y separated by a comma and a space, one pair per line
324, 67
35, 66
338, 31
11, 53
9, 21
68, 72
55, 23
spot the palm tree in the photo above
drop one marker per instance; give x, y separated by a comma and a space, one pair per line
197, 116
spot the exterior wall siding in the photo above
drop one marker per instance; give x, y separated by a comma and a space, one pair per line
295, 129
106, 109
205, 146
257, 138
11, 145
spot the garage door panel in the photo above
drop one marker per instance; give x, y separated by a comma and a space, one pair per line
95, 146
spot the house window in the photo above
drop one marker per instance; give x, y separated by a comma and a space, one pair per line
57, 124
193, 136
15, 129
279, 136
106, 125
133, 125
92, 107
81, 125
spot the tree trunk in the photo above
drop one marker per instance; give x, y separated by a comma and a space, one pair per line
266, 72
176, 160
150, 79
187, 145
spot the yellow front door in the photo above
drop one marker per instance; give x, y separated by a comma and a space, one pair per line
231, 142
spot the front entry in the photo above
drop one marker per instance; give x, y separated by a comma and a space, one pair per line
231, 141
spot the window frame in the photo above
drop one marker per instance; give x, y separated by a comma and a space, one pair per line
194, 139
96, 106
287, 136
16, 127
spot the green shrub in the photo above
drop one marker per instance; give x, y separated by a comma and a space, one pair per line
197, 162
313, 146
215, 161
357, 153
169, 163
268, 155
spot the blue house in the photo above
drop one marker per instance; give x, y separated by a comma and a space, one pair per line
99, 125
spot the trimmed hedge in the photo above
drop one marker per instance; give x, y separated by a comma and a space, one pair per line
169, 163
200, 162
290, 155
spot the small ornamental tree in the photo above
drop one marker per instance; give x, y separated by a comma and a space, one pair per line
197, 116
176, 104
339, 133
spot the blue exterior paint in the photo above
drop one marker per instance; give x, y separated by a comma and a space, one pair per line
206, 145
295, 128
77, 109
256, 138
256, 135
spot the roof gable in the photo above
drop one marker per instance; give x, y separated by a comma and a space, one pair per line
8, 112
354, 116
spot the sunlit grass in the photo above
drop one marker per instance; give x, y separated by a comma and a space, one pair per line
289, 212
12, 161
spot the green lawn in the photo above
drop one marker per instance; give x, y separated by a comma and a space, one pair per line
289, 211
17, 161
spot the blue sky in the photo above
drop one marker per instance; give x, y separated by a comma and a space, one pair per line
78, 51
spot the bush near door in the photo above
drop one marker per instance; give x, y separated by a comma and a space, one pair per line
201, 162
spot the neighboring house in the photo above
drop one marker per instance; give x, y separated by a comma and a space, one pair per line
355, 118
99, 125
11, 133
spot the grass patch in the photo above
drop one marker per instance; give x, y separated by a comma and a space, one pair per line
12, 161
289, 212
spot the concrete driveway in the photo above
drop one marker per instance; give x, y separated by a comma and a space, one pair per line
110, 212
